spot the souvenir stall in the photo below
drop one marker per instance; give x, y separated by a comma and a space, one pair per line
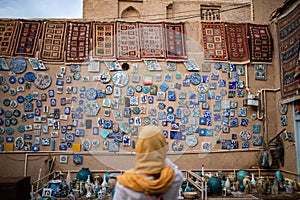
74, 94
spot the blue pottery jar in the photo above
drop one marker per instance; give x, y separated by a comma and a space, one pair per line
241, 174
82, 175
214, 184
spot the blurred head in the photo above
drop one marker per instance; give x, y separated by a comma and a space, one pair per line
151, 149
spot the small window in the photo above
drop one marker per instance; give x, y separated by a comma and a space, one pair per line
210, 13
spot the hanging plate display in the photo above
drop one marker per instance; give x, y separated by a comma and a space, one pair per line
245, 135
20, 99
42, 80
120, 78
29, 76
12, 80
18, 65
191, 140
21, 80
91, 94
195, 79
19, 143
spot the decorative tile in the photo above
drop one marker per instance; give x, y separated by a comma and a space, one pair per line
244, 122
256, 128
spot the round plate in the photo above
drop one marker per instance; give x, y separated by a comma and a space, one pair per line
13, 104
86, 144
76, 76
120, 79
12, 80
21, 80
21, 128
19, 143
138, 88
125, 127
170, 109
245, 135
2, 79
42, 80
12, 91
29, 76
177, 145
96, 142
1, 130
9, 130
195, 79
91, 94
20, 99
6, 102
1, 139
18, 65
191, 140
8, 114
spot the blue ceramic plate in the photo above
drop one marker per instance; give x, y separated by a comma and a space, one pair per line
12, 80
29, 76
21, 80
18, 65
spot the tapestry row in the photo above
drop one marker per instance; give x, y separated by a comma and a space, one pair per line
72, 42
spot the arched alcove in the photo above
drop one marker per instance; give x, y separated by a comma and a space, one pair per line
130, 12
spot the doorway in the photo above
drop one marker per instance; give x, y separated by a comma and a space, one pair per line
297, 135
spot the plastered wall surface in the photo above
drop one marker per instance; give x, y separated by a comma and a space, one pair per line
12, 164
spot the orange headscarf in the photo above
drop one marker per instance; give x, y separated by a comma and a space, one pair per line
151, 152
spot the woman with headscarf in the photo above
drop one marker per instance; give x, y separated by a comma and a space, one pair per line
154, 177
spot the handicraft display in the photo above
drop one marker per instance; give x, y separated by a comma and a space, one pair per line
128, 47
289, 51
7, 34
175, 43
152, 40
53, 41
214, 43
104, 40
27, 38
78, 41
236, 37
260, 43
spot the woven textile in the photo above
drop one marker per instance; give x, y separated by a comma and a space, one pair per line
152, 40
53, 41
104, 40
260, 43
214, 41
236, 37
289, 37
7, 35
78, 42
27, 39
128, 47
175, 43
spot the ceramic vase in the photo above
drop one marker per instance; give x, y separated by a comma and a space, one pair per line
82, 175
215, 186
227, 184
253, 182
246, 180
240, 175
